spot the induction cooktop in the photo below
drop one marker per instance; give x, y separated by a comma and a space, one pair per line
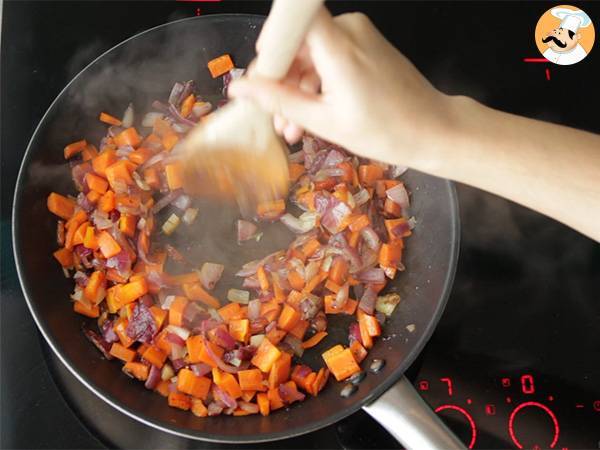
515, 360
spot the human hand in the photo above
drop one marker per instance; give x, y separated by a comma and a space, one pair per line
349, 85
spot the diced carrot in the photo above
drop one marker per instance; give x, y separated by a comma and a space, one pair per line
119, 173
127, 224
174, 174
120, 329
89, 152
64, 256
128, 136
270, 209
195, 291
187, 105
122, 353
74, 148
390, 254
251, 380
91, 311
188, 383
176, 311
325, 185
295, 298
152, 178
275, 401
159, 315
332, 351
108, 246
219, 66
300, 329
196, 346
338, 270
263, 403
296, 280
142, 348
163, 388
105, 159
280, 370
94, 286
342, 364
111, 120
107, 202
248, 395
261, 274
314, 282
277, 289
358, 351
309, 248
198, 408
348, 308
239, 329
353, 238
371, 324
227, 382
348, 169
391, 208
320, 381
96, 183
361, 221
60, 205
229, 312
333, 287
369, 173
93, 197
307, 199
179, 400
391, 224
314, 340
296, 171
141, 155
275, 335
131, 291
154, 356
289, 318
265, 355
136, 370
169, 141
79, 234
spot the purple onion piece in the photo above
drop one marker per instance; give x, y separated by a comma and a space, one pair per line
141, 326
98, 342
367, 301
153, 378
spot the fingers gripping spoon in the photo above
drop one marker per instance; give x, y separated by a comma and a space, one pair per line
236, 153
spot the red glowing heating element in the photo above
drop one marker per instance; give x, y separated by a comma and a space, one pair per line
511, 422
469, 419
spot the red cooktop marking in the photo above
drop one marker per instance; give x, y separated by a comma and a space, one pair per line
548, 411
467, 415
535, 60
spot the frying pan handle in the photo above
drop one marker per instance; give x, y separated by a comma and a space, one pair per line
282, 35
405, 415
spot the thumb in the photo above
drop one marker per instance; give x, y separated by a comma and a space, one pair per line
302, 108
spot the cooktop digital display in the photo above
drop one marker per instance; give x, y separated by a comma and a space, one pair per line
515, 360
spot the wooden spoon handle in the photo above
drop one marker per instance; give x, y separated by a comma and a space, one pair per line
282, 35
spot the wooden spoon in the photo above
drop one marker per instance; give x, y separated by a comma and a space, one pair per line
236, 152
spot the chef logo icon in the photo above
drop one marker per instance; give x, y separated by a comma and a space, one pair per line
564, 35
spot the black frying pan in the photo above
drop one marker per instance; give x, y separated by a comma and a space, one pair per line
140, 70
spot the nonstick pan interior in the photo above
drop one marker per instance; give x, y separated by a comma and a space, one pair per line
141, 70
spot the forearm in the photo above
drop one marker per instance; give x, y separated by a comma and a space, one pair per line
552, 169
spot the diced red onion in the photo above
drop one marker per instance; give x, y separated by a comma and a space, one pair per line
124, 152
182, 333
375, 276
296, 157
251, 283
223, 397
303, 224
371, 238
295, 344
333, 218
289, 395
177, 353
175, 94
201, 109
342, 296
214, 409
154, 160
361, 197
99, 343
254, 309
220, 363
200, 369
245, 230
334, 157
108, 333
165, 201
225, 339
175, 339
84, 203
153, 378
399, 195
270, 326
141, 326
367, 302
354, 333
210, 274
121, 262
310, 306
251, 408
150, 118
395, 171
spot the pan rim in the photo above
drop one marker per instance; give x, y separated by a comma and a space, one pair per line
184, 432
